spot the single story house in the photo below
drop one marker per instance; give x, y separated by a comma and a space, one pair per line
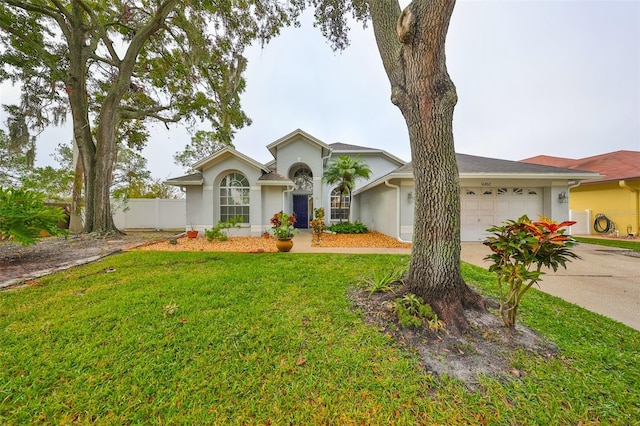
610, 204
229, 183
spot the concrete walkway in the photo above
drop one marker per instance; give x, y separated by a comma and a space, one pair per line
605, 280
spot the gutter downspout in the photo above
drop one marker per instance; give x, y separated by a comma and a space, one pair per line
623, 184
284, 194
397, 188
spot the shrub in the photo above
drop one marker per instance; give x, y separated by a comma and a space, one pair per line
520, 249
223, 229
348, 228
412, 311
23, 216
384, 280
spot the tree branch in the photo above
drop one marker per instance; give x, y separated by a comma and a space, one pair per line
384, 16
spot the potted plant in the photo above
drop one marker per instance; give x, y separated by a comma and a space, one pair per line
283, 230
192, 233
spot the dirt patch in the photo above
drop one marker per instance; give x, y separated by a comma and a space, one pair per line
487, 349
54, 253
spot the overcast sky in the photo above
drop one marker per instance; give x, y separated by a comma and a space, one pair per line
558, 78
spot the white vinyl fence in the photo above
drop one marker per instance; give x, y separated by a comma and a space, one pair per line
150, 213
583, 222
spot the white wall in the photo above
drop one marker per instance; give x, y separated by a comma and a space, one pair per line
150, 213
377, 210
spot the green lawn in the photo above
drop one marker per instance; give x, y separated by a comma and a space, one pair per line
223, 338
619, 243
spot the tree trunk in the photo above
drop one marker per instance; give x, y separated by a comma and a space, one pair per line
412, 47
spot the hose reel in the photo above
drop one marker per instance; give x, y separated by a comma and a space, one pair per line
602, 224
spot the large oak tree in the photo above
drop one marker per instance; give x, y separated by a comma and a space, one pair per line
117, 63
411, 43
413, 54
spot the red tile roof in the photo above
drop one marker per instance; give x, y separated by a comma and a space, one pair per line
616, 165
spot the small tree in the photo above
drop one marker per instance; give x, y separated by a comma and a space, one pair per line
23, 215
520, 249
344, 172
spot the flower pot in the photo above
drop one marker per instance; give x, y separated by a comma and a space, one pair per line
284, 245
192, 234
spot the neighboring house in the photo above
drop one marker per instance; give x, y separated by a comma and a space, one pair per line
229, 183
616, 195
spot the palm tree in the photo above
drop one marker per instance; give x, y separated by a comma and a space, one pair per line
344, 172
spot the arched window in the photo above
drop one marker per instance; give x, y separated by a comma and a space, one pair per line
234, 197
339, 205
303, 178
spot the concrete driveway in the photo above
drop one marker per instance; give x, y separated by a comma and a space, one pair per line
605, 280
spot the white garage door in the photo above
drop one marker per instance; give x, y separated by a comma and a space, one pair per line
482, 208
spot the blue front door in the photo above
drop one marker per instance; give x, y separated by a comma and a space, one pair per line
301, 209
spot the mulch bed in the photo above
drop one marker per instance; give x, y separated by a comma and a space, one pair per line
261, 244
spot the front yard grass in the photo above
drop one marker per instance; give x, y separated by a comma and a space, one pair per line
226, 338
619, 243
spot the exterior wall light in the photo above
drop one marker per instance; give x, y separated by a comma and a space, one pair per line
563, 197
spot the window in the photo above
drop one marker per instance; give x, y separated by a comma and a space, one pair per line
502, 191
339, 206
518, 191
234, 197
303, 178
470, 192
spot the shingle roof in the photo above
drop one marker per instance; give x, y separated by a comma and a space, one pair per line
617, 165
273, 178
191, 179
473, 164
339, 146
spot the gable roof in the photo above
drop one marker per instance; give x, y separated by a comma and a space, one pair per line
617, 165
286, 139
471, 166
345, 148
225, 153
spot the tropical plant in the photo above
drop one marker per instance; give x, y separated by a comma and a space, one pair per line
520, 249
344, 172
412, 311
222, 230
317, 224
384, 280
283, 225
23, 216
349, 228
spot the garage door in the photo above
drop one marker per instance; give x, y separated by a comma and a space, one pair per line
482, 208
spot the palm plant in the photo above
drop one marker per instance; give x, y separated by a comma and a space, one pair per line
344, 172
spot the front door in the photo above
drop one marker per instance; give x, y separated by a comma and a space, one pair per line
301, 209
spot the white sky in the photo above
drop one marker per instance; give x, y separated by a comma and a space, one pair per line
558, 78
